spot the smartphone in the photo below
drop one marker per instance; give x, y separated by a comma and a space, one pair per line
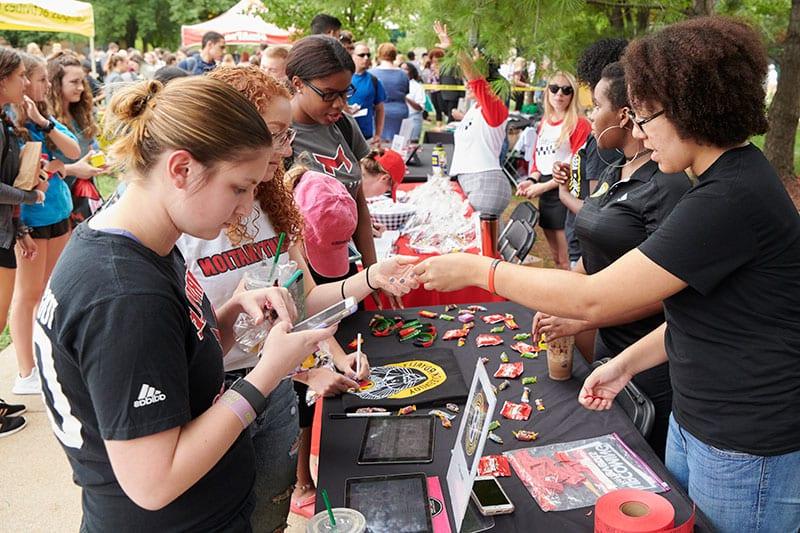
490, 497
327, 317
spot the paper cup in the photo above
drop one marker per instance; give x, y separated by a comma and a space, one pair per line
559, 358
347, 521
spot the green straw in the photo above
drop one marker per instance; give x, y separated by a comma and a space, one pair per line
328, 507
277, 254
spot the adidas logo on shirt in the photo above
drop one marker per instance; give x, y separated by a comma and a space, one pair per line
148, 395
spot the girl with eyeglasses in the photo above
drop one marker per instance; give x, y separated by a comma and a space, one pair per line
275, 432
632, 199
725, 265
561, 133
320, 71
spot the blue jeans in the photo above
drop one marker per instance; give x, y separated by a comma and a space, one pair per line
275, 439
738, 492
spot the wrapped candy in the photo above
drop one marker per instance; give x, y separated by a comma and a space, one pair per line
494, 465
427, 314
525, 436
495, 437
461, 342
494, 425
503, 357
529, 355
509, 370
529, 380
522, 347
522, 336
477, 308
466, 317
516, 411
498, 329
510, 322
449, 318
504, 385
407, 410
493, 319
485, 339
451, 334
363, 410
452, 407
526, 395
539, 404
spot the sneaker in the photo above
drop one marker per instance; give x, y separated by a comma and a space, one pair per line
28, 385
10, 425
10, 409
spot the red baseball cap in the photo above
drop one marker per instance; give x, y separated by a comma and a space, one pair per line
330, 221
393, 164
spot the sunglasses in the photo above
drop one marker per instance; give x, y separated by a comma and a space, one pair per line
642, 121
284, 138
566, 90
333, 95
367, 54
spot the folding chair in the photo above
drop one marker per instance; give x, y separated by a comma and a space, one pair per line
516, 241
524, 211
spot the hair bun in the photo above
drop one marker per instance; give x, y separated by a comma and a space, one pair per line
145, 94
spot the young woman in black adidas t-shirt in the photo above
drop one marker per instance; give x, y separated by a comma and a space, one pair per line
130, 350
725, 262
632, 199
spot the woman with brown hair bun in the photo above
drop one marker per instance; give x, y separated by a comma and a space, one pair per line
724, 263
130, 349
276, 431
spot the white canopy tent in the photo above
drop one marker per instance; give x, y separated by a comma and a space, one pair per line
241, 24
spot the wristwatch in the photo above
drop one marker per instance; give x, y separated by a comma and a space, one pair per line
250, 393
49, 127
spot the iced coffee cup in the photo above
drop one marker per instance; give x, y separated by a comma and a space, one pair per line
559, 358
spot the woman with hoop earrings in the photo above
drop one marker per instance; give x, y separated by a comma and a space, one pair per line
631, 200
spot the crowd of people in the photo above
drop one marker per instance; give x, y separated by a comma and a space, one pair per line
676, 247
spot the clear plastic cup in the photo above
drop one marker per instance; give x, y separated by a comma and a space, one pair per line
559, 358
347, 521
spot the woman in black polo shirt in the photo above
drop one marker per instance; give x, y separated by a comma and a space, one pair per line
725, 262
632, 199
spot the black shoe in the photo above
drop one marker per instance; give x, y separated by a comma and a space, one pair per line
9, 409
10, 425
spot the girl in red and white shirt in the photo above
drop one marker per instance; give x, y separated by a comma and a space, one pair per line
561, 133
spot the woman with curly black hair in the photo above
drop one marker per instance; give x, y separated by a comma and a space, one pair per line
725, 263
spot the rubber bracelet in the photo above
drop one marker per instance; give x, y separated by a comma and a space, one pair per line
491, 275
250, 393
342, 289
368, 283
240, 407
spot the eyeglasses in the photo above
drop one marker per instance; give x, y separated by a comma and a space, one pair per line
641, 122
366, 54
284, 138
566, 90
333, 95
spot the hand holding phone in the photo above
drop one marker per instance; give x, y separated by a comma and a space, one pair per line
328, 317
490, 497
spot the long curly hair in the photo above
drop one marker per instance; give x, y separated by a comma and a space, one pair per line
81, 111
272, 196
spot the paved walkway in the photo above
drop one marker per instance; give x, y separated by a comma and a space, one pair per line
37, 493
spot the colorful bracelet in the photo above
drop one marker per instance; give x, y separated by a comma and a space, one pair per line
491, 275
240, 407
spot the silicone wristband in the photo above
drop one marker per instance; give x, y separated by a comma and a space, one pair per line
240, 407
368, 283
491, 275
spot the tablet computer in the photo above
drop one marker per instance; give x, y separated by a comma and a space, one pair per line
398, 439
391, 504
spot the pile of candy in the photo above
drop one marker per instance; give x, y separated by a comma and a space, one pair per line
423, 334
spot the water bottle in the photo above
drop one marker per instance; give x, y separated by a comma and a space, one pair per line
442, 159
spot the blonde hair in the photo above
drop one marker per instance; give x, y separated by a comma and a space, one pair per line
204, 116
387, 52
280, 52
275, 200
571, 114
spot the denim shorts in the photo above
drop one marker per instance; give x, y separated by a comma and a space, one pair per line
737, 491
275, 435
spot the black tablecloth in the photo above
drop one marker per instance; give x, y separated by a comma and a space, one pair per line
420, 173
562, 420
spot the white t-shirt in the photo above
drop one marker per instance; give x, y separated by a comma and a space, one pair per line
219, 266
417, 94
548, 150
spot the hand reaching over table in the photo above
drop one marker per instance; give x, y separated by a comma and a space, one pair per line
451, 272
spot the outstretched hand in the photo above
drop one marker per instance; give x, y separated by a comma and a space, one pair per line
441, 32
602, 386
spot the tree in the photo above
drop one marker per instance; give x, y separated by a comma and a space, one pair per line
785, 110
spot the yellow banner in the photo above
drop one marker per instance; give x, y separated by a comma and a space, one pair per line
48, 15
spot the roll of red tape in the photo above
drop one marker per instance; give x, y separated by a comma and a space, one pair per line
633, 511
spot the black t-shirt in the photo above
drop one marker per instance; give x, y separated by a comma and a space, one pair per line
587, 165
127, 346
733, 335
617, 218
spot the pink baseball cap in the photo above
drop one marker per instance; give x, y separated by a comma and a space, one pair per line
330, 221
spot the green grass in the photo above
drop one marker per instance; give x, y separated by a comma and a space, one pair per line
758, 140
5, 339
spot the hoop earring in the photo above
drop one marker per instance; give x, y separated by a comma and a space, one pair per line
628, 162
